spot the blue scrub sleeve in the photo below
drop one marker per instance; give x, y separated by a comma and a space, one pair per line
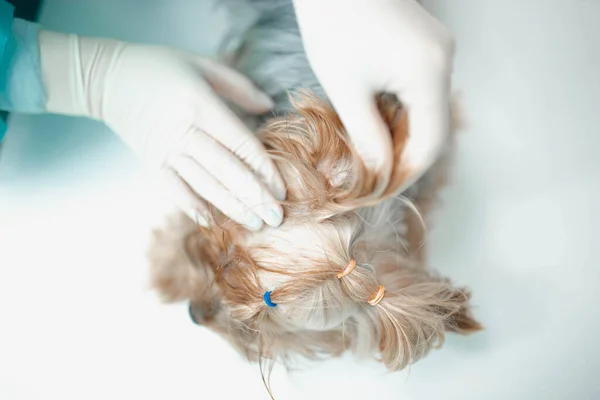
21, 87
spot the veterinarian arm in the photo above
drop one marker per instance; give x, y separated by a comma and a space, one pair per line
21, 88
163, 103
361, 47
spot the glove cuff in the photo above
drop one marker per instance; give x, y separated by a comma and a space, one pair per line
74, 72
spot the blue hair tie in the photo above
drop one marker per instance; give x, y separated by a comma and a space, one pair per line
267, 299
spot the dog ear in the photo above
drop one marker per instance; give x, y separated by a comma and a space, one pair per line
461, 321
180, 260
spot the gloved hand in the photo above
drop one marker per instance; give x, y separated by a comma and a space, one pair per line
360, 47
164, 104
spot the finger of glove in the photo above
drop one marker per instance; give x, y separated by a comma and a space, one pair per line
234, 86
235, 176
185, 198
210, 189
222, 125
429, 119
367, 130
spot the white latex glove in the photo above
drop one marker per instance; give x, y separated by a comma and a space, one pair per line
163, 103
360, 47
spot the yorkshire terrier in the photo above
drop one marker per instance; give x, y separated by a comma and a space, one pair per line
347, 269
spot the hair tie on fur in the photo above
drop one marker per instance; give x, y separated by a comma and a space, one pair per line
267, 299
378, 296
349, 268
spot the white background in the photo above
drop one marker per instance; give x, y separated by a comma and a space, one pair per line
518, 225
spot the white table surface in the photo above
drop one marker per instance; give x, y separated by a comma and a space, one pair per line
77, 320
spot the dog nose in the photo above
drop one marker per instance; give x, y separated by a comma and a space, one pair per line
192, 316
201, 313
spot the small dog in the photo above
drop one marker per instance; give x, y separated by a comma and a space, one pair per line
346, 270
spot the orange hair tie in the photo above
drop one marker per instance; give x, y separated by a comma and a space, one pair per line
378, 296
349, 268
